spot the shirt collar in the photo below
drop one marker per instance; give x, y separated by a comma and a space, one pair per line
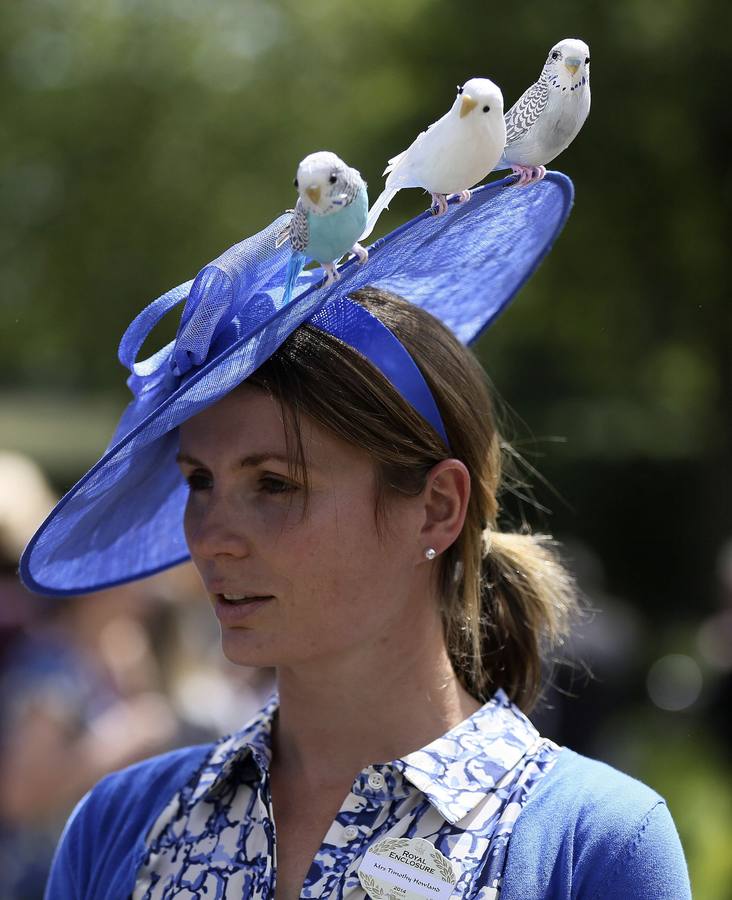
242, 756
455, 772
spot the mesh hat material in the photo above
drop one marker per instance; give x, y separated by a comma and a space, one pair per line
124, 519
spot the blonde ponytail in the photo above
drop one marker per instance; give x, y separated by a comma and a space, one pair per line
527, 603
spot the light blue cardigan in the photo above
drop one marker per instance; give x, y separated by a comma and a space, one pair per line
587, 832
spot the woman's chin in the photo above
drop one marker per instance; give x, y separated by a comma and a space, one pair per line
245, 648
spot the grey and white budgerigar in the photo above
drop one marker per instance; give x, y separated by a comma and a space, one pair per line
549, 115
328, 218
453, 154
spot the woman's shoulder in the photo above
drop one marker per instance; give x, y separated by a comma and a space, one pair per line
137, 792
589, 829
175, 765
583, 786
103, 834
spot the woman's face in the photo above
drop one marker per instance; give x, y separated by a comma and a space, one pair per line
316, 581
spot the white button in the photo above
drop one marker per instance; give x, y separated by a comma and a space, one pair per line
350, 832
376, 781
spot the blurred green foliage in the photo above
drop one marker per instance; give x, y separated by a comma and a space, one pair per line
141, 137
691, 772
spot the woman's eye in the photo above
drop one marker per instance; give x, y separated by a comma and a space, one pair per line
198, 481
272, 485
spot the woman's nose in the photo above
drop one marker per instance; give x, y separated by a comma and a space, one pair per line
213, 528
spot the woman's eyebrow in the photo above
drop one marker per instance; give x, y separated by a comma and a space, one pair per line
254, 459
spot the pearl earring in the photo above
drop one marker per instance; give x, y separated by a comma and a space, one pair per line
430, 553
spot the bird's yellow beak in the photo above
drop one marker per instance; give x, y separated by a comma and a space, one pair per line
466, 105
571, 65
314, 194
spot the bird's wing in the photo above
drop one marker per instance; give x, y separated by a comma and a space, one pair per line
394, 161
299, 228
283, 236
525, 111
413, 151
354, 184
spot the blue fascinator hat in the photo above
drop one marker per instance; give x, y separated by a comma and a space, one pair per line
123, 520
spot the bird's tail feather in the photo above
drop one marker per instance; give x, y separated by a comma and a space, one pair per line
294, 267
382, 203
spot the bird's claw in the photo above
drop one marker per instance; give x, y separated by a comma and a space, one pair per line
528, 174
361, 252
439, 204
331, 273
462, 197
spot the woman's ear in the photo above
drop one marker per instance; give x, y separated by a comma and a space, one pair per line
446, 494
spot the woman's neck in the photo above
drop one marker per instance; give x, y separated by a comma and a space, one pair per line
370, 705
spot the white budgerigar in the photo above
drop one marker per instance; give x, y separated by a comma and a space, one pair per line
329, 216
549, 115
454, 154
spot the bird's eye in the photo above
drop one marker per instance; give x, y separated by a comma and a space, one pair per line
555, 55
587, 59
333, 178
460, 90
295, 183
486, 109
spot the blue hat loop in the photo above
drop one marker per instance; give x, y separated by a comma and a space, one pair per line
141, 326
223, 289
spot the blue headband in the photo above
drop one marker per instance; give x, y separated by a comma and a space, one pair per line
356, 327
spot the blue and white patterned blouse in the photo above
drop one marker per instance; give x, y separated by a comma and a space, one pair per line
462, 792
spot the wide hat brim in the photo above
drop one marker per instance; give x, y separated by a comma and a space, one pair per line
123, 520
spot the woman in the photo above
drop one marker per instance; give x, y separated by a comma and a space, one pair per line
340, 466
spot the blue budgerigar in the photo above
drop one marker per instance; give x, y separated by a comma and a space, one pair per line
328, 218
548, 116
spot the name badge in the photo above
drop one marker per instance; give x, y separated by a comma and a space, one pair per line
406, 869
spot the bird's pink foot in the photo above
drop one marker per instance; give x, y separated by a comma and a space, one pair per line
528, 174
439, 204
331, 273
361, 252
464, 196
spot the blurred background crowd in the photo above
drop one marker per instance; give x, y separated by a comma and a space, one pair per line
142, 137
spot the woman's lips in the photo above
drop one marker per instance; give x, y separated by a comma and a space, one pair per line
233, 612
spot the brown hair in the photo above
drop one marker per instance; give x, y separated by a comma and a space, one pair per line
506, 598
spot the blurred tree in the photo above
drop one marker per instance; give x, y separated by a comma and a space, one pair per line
132, 129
